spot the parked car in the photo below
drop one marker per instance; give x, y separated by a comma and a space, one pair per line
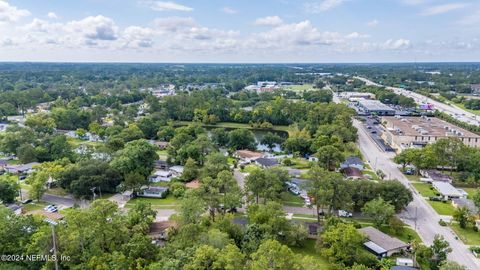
27, 201
51, 208
343, 213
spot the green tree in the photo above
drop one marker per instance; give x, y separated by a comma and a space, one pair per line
271, 255
41, 123
270, 140
137, 156
241, 139
342, 244
379, 210
329, 157
8, 188
190, 170
38, 184
135, 181
26, 153
462, 215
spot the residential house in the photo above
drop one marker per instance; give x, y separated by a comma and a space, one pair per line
382, 244
161, 144
247, 156
464, 202
161, 164
266, 162
352, 173
161, 175
353, 162
176, 170
401, 267
153, 192
447, 191
437, 176
21, 168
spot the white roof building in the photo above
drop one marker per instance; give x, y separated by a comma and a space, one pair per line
447, 190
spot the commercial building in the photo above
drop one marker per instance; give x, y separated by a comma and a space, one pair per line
476, 89
356, 95
369, 107
410, 132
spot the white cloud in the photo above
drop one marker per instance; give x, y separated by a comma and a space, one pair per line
292, 37
52, 15
228, 10
471, 19
268, 21
355, 35
414, 2
372, 23
167, 6
94, 28
440, 9
398, 44
138, 37
321, 6
9, 13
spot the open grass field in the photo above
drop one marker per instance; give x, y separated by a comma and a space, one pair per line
424, 189
300, 87
308, 249
291, 199
467, 235
443, 208
169, 201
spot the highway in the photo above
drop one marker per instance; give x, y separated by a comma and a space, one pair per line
451, 110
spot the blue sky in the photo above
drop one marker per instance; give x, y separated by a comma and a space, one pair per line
240, 30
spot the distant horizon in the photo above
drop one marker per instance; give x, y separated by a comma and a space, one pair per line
234, 63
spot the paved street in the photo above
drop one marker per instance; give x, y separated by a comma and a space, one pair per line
452, 110
426, 218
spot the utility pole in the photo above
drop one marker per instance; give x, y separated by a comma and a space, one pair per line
53, 224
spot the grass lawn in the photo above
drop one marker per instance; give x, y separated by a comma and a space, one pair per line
470, 191
300, 87
407, 235
413, 178
162, 153
249, 168
57, 191
300, 163
13, 162
291, 199
33, 206
443, 208
467, 235
425, 189
170, 200
308, 249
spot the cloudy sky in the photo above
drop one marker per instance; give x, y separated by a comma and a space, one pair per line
240, 30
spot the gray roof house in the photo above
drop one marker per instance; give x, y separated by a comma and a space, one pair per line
382, 244
153, 192
447, 190
353, 162
266, 162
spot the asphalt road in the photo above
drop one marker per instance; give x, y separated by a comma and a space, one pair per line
419, 214
452, 110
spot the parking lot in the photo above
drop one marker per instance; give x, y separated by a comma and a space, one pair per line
375, 130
